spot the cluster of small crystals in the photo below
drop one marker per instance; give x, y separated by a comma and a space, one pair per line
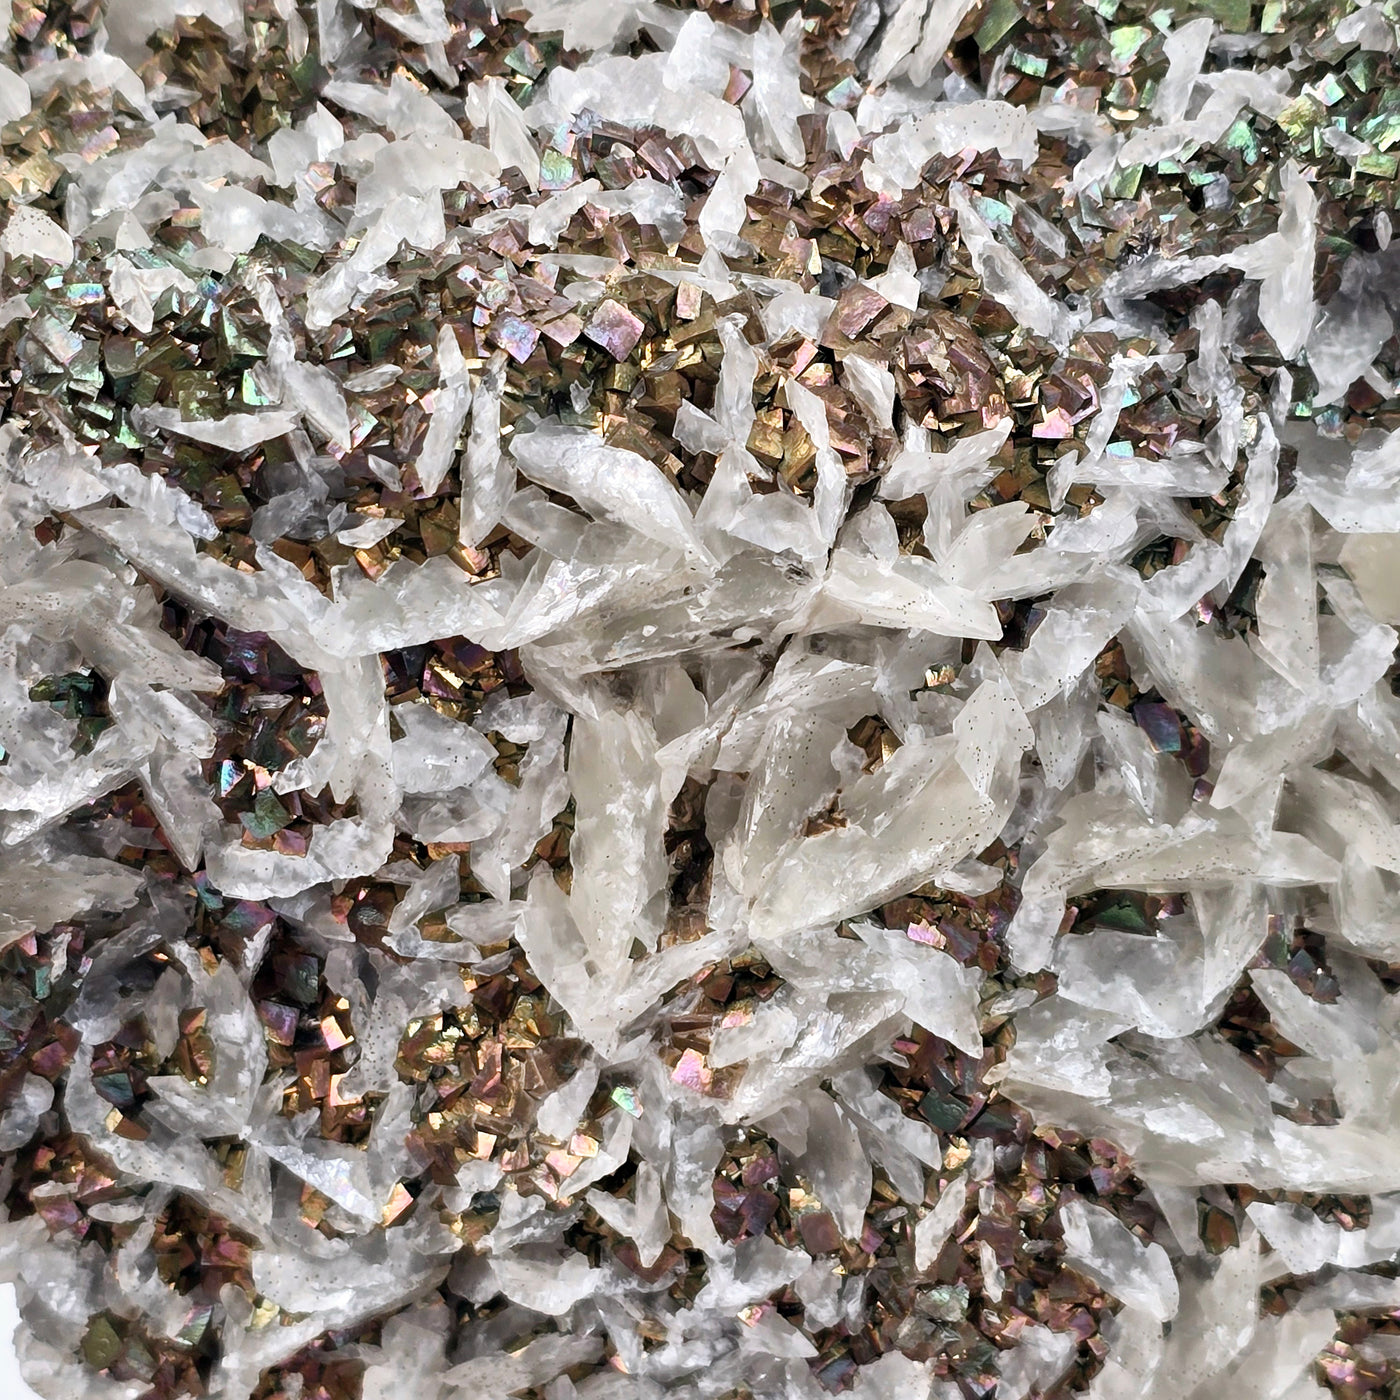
699, 699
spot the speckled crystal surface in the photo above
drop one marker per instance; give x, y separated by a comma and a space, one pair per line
698, 699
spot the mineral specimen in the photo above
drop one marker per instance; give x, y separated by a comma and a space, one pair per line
698, 698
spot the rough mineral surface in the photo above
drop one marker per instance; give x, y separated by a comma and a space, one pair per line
698, 699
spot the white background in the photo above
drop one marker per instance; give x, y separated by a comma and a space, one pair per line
11, 1387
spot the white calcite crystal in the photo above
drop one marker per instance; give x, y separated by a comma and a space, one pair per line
1141, 1275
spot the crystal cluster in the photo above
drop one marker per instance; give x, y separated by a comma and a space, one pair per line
698, 698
